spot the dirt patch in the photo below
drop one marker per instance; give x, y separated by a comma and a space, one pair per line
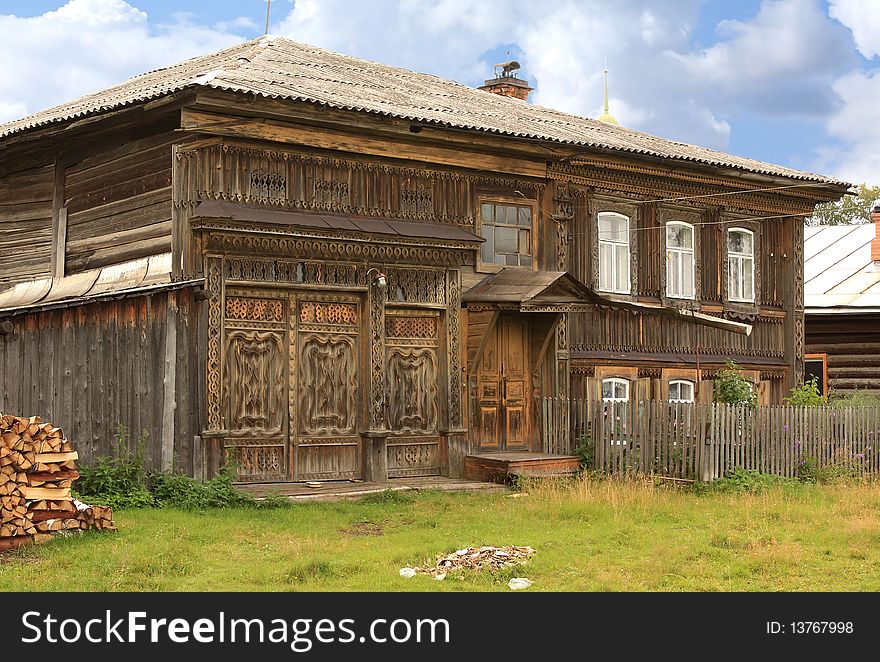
364, 529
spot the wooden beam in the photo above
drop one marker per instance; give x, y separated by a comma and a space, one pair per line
59, 219
338, 140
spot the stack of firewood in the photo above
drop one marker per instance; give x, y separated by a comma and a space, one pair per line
37, 470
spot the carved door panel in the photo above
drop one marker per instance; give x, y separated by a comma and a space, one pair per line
412, 390
325, 410
514, 381
504, 388
255, 386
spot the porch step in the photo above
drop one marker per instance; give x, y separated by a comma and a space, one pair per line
500, 467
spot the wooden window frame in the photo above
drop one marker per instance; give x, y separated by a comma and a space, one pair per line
494, 267
681, 251
823, 357
740, 256
628, 244
616, 380
690, 383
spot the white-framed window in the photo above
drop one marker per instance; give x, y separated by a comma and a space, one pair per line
681, 390
507, 229
615, 389
613, 252
679, 260
741, 264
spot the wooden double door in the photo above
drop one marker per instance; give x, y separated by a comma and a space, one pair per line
504, 387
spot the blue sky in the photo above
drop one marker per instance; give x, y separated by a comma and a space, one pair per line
793, 82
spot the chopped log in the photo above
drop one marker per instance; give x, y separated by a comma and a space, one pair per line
14, 543
57, 494
43, 515
46, 458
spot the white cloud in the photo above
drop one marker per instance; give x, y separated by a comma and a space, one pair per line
857, 126
863, 18
781, 62
87, 45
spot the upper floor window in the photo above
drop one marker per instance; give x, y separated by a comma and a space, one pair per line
681, 390
613, 252
615, 389
507, 230
741, 265
679, 260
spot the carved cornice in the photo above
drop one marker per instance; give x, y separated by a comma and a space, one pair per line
648, 182
245, 241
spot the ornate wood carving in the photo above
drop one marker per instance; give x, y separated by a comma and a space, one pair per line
354, 186
654, 373
267, 187
453, 351
243, 240
411, 376
377, 358
260, 310
328, 385
799, 338
416, 285
413, 457
214, 285
422, 327
255, 382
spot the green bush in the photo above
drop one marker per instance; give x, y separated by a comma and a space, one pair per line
119, 481
732, 388
807, 395
745, 482
586, 451
122, 481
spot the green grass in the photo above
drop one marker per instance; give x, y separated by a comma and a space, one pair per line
590, 535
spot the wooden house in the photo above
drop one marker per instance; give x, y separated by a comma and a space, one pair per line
842, 307
327, 268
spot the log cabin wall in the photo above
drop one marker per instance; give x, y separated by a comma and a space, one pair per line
850, 346
26, 200
119, 203
92, 368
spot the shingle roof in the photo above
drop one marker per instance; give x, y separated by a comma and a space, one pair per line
279, 68
839, 274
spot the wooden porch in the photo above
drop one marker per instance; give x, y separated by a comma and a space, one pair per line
338, 490
500, 467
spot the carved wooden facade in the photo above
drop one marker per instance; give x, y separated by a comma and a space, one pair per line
331, 341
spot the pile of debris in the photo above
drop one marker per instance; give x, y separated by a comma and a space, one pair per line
474, 558
37, 470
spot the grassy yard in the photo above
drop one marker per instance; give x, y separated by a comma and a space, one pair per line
590, 535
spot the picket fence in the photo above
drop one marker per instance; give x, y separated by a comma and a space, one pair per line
703, 442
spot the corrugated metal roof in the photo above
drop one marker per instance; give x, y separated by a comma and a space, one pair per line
279, 68
839, 275
132, 276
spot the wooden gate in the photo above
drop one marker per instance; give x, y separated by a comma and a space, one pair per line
326, 379
255, 384
412, 377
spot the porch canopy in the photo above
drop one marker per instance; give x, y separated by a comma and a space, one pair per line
558, 291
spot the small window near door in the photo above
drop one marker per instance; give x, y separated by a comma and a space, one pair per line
681, 390
816, 365
615, 389
507, 230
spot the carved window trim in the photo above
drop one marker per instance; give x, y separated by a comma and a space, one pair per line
483, 266
606, 203
615, 383
732, 305
741, 257
613, 246
683, 252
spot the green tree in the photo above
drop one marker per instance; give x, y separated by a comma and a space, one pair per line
849, 209
732, 388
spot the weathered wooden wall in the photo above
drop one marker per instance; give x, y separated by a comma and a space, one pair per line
119, 203
89, 369
852, 343
26, 224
